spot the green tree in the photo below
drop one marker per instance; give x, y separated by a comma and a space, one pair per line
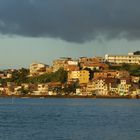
91, 73
20, 76
125, 67
137, 53
58, 76
23, 91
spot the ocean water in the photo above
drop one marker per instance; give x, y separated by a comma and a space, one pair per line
69, 119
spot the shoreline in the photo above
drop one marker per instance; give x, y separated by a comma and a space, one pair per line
69, 96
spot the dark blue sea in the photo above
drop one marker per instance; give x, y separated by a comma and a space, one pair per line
69, 119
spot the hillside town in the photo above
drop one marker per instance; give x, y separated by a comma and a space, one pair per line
109, 76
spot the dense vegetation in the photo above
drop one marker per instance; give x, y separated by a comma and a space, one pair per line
132, 69
18, 76
137, 53
58, 76
22, 76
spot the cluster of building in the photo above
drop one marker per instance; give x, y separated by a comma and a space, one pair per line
113, 83
103, 82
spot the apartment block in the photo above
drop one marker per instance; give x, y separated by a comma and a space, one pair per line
120, 59
82, 76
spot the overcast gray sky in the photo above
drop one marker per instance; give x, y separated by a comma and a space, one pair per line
42, 30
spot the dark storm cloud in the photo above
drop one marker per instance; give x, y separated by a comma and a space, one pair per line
71, 20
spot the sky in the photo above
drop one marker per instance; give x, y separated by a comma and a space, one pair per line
44, 30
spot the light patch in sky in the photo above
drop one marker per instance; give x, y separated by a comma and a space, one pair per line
19, 52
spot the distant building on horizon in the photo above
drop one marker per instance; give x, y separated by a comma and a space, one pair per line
131, 58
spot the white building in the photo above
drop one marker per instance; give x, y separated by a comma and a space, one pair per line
124, 87
120, 59
38, 69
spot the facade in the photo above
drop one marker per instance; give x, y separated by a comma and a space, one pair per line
101, 87
112, 85
43, 89
72, 68
92, 63
124, 87
91, 88
113, 88
5, 75
95, 66
120, 59
60, 63
38, 69
73, 75
136, 92
82, 76
87, 60
135, 79
111, 74
98, 87
78, 91
66, 63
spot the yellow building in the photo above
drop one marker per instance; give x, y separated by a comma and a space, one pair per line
82, 76
73, 75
